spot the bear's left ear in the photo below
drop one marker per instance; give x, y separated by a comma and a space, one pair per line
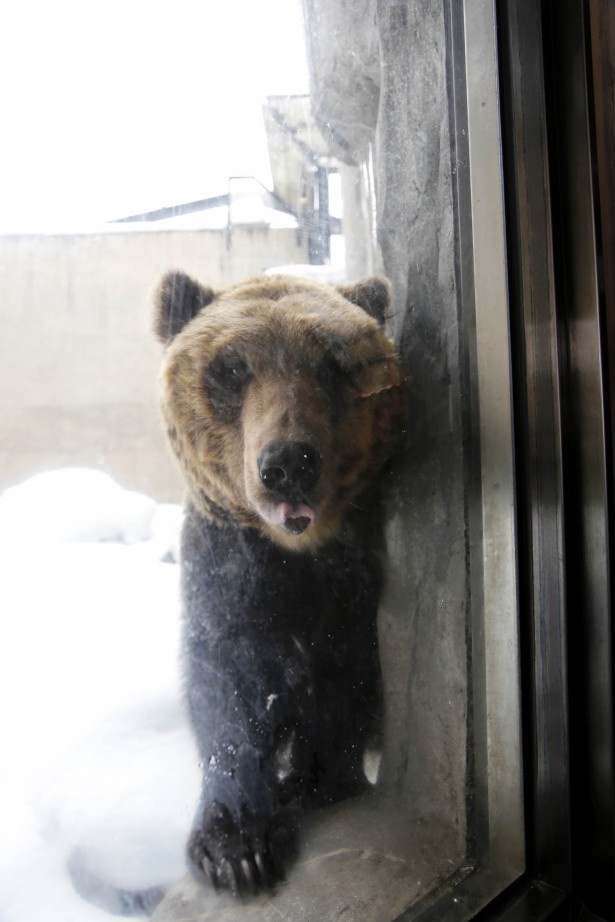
178, 299
373, 295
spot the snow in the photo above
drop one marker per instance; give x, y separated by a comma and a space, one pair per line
75, 504
97, 754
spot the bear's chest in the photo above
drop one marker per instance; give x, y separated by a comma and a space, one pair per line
237, 582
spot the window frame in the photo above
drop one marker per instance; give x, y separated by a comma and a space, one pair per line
562, 433
561, 314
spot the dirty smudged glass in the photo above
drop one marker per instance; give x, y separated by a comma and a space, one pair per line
391, 164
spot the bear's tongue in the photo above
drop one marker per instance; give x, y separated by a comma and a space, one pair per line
294, 518
295, 525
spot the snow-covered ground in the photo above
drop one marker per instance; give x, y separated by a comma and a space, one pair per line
96, 751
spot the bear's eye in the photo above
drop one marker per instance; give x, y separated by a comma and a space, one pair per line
230, 371
331, 376
225, 381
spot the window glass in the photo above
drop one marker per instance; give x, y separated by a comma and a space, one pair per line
330, 141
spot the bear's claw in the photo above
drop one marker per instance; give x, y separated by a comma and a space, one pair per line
246, 859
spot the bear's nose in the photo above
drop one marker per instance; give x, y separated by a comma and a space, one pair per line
289, 469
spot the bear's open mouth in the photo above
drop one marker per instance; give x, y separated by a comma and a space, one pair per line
296, 525
293, 518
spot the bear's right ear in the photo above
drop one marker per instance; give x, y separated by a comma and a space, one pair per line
178, 299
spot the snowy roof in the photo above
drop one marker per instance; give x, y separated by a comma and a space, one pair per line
247, 202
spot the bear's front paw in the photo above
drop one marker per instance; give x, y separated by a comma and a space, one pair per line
245, 858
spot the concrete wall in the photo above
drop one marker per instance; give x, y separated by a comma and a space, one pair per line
78, 361
400, 49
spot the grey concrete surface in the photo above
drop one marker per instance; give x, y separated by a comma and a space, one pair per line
362, 861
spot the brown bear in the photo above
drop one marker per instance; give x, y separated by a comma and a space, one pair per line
282, 401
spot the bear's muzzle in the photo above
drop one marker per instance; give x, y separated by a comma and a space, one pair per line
289, 472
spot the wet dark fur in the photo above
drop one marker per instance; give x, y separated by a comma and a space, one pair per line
283, 687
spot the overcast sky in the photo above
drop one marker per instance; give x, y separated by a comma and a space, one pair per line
111, 107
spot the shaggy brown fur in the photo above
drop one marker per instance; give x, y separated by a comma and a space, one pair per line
302, 348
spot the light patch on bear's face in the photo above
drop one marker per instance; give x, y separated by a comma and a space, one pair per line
283, 405
289, 447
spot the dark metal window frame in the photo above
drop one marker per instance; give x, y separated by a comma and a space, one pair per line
556, 58
561, 368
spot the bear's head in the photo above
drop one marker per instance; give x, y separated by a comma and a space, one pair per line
281, 397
